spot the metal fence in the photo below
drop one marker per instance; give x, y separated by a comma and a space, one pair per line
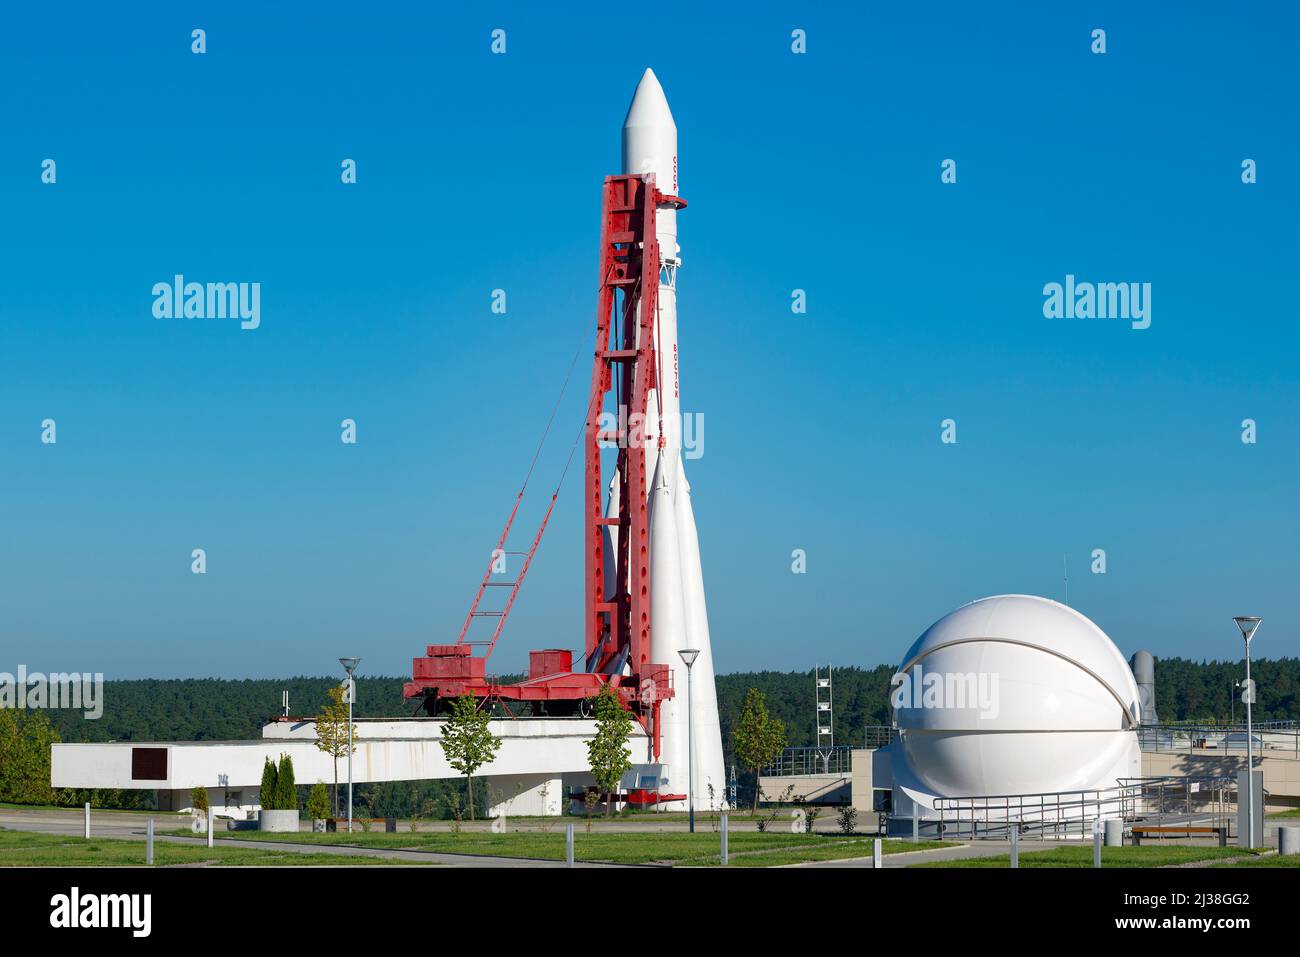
1065, 814
879, 735
832, 760
1286, 725
1281, 738
836, 760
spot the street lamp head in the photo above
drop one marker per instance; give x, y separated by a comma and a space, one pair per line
349, 664
689, 655
1247, 624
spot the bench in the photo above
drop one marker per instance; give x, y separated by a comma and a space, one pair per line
1139, 830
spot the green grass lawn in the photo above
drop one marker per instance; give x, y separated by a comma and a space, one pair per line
1292, 814
834, 850
1272, 860
27, 849
628, 817
1110, 857
613, 846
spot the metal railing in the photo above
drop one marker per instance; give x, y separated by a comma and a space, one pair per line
1280, 725
836, 760
879, 735
1049, 814
1184, 800
1072, 814
830, 760
1281, 738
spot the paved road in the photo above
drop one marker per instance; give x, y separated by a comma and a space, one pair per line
132, 827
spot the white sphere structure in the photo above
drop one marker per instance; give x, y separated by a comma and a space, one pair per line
1013, 695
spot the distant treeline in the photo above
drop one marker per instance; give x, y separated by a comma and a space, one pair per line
1185, 691
196, 709
201, 709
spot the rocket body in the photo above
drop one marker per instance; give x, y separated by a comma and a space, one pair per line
678, 613
650, 146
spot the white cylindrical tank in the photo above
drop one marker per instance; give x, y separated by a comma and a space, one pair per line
1014, 695
668, 626
710, 772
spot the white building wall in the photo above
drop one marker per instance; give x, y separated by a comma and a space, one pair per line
532, 751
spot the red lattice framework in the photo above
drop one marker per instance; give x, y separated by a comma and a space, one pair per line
616, 627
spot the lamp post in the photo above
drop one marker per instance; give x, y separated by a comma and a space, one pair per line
350, 665
1248, 625
689, 655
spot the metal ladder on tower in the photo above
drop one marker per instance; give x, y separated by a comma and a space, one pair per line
823, 695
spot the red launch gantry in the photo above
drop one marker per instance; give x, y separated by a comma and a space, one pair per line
616, 626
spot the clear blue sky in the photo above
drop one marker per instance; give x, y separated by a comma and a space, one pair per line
478, 172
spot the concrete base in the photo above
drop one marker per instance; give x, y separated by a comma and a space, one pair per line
1288, 840
279, 821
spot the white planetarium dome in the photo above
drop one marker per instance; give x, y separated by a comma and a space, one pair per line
1014, 694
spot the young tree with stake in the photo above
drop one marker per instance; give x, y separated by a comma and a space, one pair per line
608, 753
758, 738
468, 741
332, 734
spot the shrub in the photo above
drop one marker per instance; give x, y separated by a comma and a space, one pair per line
286, 791
268, 792
318, 802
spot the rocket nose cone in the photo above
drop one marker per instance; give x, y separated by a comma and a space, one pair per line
649, 105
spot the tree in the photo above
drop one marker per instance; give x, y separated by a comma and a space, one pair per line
286, 791
608, 753
269, 793
332, 734
318, 802
199, 799
758, 738
25, 740
468, 741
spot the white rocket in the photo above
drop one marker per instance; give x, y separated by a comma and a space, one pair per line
679, 618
